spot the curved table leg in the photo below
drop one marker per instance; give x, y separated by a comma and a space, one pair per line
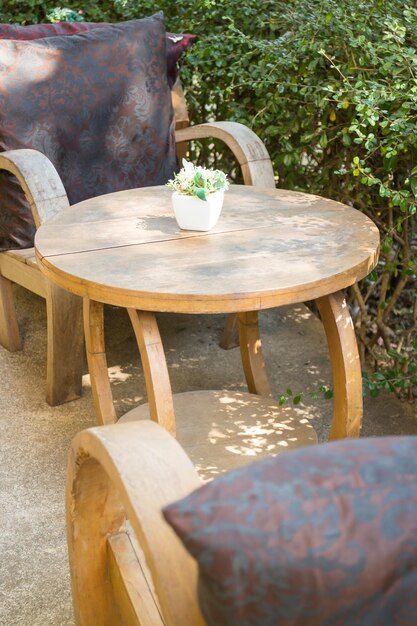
230, 336
97, 362
251, 354
155, 368
344, 356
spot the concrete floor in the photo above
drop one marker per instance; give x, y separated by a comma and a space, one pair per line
34, 580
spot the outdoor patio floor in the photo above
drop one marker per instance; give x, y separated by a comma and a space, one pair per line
34, 578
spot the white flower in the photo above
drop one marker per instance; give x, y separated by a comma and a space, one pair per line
198, 181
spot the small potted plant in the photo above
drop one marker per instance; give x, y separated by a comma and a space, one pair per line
198, 196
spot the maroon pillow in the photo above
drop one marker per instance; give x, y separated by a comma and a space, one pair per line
105, 119
176, 43
320, 536
39, 31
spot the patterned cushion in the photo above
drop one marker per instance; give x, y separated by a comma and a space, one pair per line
176, 44
321, 536
38, 31
97, 104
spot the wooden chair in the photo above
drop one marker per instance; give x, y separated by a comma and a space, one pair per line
46, 195
128, 568
133, 572
127, 565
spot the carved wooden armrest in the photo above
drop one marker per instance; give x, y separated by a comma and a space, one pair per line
128, 470
40, 182
246, 146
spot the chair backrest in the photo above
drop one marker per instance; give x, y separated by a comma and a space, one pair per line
180, 106
117, 136
181, 117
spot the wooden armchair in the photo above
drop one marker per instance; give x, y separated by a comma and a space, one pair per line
46, 195
137, 572
320, 535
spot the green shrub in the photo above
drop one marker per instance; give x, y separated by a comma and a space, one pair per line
331, 87
58, 14
38, 11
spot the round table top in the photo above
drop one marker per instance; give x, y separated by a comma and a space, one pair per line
270, 247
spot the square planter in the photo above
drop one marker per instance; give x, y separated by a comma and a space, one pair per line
192, 213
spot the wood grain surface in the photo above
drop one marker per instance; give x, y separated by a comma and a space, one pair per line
270, 247
133, 471
222, 430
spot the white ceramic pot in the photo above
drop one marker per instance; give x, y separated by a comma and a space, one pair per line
192, 213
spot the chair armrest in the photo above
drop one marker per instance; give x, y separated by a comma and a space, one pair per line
248, 149
128, 470
40, 182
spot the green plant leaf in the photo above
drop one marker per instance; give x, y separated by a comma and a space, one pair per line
200, 192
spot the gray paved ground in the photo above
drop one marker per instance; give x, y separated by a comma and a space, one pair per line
34, 439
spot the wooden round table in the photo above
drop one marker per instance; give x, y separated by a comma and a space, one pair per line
270, 247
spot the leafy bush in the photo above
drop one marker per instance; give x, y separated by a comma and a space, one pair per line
331, 87
38, 11
59, 14
334, 94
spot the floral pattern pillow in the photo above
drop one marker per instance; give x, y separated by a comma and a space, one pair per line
176, 43
320, 536
97, 104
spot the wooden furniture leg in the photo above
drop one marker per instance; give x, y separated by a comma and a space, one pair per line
47, 197
230, 335
251, 353
344, 355
9, 329
158, 386
65, 345
97, 361
129, 470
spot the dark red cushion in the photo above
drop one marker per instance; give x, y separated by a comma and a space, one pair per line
324, 535
176, 43
39, 31
97, 104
